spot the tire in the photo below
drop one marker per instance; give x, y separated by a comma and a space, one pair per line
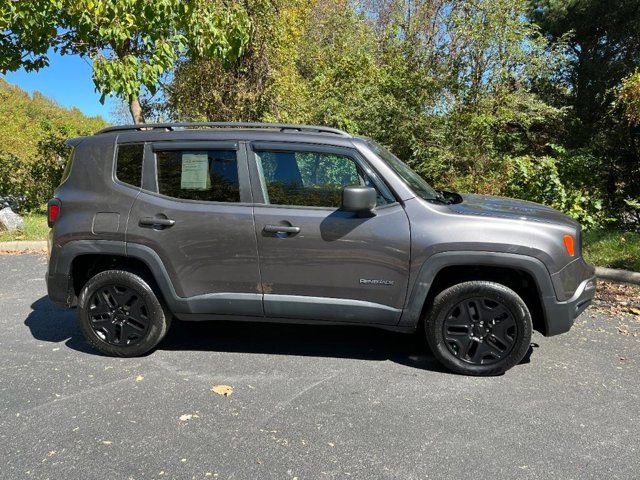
478, 328
120, 315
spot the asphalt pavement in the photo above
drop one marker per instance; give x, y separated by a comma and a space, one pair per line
307, 402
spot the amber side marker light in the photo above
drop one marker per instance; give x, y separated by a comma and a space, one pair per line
568, 245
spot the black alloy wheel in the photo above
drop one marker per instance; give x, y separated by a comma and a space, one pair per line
118, 315
478, 327
480, 330
121, 314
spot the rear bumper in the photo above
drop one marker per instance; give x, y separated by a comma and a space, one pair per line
60, 289
560, 315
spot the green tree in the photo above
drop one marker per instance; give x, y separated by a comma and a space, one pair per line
471, 93
603, 49
132, 43
32, 150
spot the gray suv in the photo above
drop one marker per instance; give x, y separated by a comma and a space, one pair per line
305, 224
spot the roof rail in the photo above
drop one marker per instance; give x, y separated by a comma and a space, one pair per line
195, 125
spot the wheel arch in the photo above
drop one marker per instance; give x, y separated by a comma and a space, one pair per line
526, 275
82, 259
150, 264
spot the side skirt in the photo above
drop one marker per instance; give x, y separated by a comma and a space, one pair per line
201, 317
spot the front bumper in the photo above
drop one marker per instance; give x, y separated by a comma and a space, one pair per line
560, 315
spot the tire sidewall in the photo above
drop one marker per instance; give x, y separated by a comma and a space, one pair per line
158, 324
446, 299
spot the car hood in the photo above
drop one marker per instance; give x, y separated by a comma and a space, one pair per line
502, 207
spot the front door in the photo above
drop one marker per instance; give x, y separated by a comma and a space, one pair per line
194, 212
318, 262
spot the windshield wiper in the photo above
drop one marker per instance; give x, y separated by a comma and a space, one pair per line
438, 199
449, 198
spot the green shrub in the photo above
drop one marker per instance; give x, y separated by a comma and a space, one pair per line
539, 179
29, 184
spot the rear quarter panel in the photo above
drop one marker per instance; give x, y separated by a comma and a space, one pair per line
93, 205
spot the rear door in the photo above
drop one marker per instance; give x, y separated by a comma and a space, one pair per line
339, 266
195, 213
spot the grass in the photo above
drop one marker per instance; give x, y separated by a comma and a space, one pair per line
604, 248
35, 228
613, 249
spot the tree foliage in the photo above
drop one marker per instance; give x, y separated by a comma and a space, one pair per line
132, 43
477, 95
32, 150
533, 98
603, 52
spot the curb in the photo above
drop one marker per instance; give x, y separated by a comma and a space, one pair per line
23, 245
624, 276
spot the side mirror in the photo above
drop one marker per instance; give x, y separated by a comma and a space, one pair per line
361, 200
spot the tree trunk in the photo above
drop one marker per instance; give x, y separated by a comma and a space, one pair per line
136, 110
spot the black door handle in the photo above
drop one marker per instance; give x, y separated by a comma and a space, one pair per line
281, 229
157, 222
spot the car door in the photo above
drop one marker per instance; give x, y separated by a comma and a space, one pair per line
194, 212
318, 262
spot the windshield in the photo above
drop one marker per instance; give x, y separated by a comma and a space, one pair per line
415, 181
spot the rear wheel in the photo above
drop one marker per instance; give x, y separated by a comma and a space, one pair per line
478, 328
120, 314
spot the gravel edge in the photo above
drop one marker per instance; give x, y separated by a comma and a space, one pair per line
23, 245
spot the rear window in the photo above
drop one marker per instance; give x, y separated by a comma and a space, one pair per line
129, 164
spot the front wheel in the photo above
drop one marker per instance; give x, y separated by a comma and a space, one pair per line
478, 328
120, 314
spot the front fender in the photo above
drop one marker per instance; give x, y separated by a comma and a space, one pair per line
435, 263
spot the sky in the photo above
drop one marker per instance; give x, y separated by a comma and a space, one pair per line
67, 80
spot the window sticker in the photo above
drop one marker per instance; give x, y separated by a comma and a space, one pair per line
195, 172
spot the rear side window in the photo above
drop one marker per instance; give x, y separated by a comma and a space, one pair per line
67, 168
205, 175
129, 164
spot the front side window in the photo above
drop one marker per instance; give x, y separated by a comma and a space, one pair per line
205, 175
129, 164
313, 179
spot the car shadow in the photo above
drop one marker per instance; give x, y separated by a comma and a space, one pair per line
49, 323
52, 324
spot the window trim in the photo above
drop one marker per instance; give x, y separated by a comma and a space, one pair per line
256, 184
152, 187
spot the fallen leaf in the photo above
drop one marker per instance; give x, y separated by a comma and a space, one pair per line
623, 329
225, 390
635, 311
107, 442
188, 416
139, 378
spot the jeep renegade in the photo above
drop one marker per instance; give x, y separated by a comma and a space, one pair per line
296, 223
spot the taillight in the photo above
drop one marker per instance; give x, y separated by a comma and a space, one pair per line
568, 245
53, 211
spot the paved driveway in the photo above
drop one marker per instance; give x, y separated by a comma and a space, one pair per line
308, 402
